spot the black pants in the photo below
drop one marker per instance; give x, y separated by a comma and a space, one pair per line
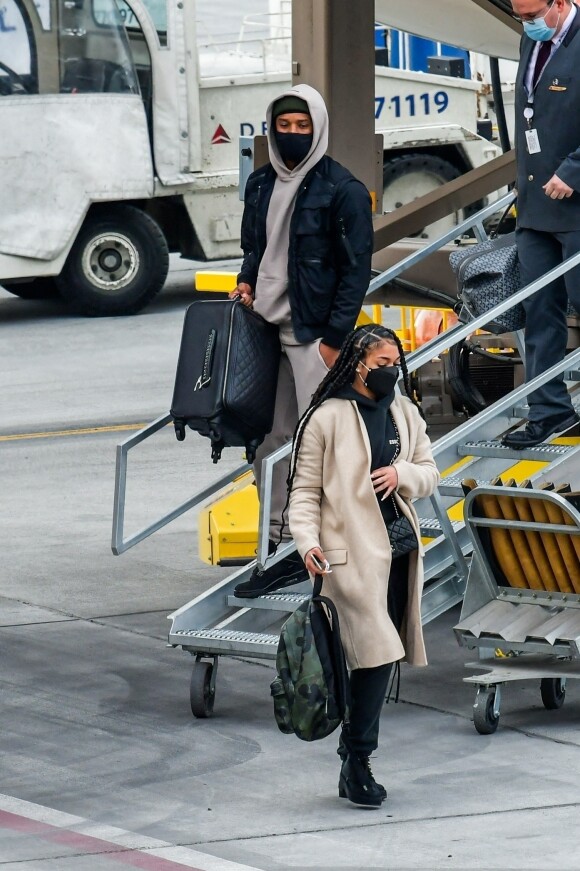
546, 328
368, 686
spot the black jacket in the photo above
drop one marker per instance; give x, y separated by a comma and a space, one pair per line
329, 255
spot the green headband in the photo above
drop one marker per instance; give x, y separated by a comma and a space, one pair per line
290, 103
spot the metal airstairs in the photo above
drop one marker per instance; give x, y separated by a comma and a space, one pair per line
216, 623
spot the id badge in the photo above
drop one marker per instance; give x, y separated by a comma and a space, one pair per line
533, 141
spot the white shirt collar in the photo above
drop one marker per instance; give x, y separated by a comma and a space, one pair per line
556, 42
565, 27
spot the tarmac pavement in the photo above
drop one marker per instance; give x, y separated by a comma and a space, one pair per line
103, 765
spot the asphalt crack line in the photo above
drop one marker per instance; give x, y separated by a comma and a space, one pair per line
504, 726
99, 621
387, 821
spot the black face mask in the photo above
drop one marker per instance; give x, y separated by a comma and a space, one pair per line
293, 147
381, 381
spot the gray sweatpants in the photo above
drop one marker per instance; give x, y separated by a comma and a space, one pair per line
301, 371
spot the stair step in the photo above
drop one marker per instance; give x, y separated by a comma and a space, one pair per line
494, 448
431, 528
225, 641
271, 602
451, 486
441, 594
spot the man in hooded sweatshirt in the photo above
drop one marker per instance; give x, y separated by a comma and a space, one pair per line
307, 238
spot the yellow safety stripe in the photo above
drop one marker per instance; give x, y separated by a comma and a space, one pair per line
89, 430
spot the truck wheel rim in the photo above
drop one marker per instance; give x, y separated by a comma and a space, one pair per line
111, 261
409, 187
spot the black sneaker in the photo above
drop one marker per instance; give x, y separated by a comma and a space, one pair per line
289, 571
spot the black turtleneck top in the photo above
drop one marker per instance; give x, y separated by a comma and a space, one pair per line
383, 437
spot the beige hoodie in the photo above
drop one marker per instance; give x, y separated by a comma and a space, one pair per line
271, 291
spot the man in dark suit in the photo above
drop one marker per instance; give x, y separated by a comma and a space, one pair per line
547, 117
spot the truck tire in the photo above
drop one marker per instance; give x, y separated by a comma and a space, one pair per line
118, 263
409, 176
36, 288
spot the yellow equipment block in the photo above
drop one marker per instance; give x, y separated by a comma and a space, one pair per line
216, 282
228, 529
225, 282
376, 316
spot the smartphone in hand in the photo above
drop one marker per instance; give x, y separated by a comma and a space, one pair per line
323, 568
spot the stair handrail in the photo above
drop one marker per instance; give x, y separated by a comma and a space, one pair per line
415, 360
572, 361
424, 355
119, 544
457, 333
475, 222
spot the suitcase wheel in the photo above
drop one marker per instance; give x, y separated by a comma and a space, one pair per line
251, 448
179, 430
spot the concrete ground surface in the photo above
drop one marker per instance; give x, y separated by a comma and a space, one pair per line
103, 765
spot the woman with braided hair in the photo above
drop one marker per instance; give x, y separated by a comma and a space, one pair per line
361, 454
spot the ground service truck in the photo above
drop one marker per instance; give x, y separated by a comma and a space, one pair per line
120, 129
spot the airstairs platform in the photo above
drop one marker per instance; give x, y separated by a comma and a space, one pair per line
217, 624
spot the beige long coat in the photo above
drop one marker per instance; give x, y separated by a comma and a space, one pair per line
333, 505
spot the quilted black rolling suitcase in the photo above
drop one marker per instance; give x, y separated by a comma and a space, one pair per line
225, 385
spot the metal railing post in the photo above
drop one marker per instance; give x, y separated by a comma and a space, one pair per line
449, 533
119, 544
268, 464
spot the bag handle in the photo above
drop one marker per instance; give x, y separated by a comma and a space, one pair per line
341, 675
317, 586
506, 211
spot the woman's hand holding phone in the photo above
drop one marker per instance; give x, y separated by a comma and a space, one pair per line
316, 563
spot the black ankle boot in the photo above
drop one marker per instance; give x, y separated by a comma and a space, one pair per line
357, 783
343, 753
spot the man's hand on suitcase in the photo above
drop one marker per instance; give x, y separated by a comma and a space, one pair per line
244, 293
329, 355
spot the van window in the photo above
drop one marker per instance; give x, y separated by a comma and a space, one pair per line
94, 50
157, 9
17, 51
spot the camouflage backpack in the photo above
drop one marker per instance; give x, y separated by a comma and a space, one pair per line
311, 691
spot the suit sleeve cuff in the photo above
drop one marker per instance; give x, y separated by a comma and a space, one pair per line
333, 338
569, 173
245, 278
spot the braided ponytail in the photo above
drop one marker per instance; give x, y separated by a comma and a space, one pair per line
353, 349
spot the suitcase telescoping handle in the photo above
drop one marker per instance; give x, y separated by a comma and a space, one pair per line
205, 376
